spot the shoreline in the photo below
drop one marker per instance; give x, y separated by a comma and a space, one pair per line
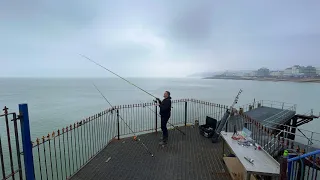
268, 79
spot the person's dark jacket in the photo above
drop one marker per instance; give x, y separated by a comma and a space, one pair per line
165, 107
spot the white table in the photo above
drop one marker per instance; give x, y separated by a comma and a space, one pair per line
263, 163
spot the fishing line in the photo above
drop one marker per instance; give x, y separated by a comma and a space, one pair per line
175, 127
117, 75
125, 123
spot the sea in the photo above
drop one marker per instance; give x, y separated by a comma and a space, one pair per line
56, 102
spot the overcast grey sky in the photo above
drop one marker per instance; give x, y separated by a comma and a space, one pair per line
156, 37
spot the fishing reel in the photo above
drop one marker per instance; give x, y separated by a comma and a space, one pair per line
135, 138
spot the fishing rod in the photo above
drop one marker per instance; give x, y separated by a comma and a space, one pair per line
225, 119
175, 127
117, 75
135, 137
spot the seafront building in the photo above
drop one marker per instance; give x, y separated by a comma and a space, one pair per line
318, 71
301, 71
276, 73
295, 71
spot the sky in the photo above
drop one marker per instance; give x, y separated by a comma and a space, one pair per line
148, 38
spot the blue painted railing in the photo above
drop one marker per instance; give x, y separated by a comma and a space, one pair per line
26, 142
300, 167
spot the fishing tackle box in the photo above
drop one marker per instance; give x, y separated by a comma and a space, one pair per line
207, 130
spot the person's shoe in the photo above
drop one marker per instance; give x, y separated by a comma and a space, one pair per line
163, 143
161, 138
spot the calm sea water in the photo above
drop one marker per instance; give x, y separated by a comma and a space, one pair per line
55, 103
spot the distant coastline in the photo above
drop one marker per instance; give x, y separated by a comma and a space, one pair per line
300, 80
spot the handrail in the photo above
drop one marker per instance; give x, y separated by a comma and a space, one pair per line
279, 102
267, 123
281, 112
289, 132
276, 136
304, 156
309, 140
270, 103
76, 144
290, 127
269, 131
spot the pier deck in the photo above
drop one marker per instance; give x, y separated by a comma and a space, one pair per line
185, 157
269, 115
265, 115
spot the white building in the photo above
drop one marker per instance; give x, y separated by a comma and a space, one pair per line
293, 71
318, 71
287, 72
276, 73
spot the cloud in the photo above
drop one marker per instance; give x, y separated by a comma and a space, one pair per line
155, 38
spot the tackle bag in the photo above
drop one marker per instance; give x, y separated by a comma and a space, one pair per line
207, 130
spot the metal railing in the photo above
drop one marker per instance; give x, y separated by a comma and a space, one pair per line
60, 154
275, 140
10, 149
301, 166
15, 155
268, 103
275, 137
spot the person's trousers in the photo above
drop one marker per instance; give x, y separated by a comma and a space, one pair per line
164, 121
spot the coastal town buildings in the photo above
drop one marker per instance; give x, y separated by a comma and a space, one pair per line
288, 72
263, 72
309, 71
276, 73
295, 71
300, 71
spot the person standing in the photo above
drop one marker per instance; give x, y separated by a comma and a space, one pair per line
165, 113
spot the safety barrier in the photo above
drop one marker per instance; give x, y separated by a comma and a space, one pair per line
268, 103
275, 137
300, 166
61, 153
16, 152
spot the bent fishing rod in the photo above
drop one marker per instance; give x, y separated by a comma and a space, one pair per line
175, 127
117, 75
125, 123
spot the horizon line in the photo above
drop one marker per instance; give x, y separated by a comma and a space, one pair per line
80, 77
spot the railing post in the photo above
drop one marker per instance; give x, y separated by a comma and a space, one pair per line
26, 142
118, 124
185, 113
283, 168
227, 121
156, 114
